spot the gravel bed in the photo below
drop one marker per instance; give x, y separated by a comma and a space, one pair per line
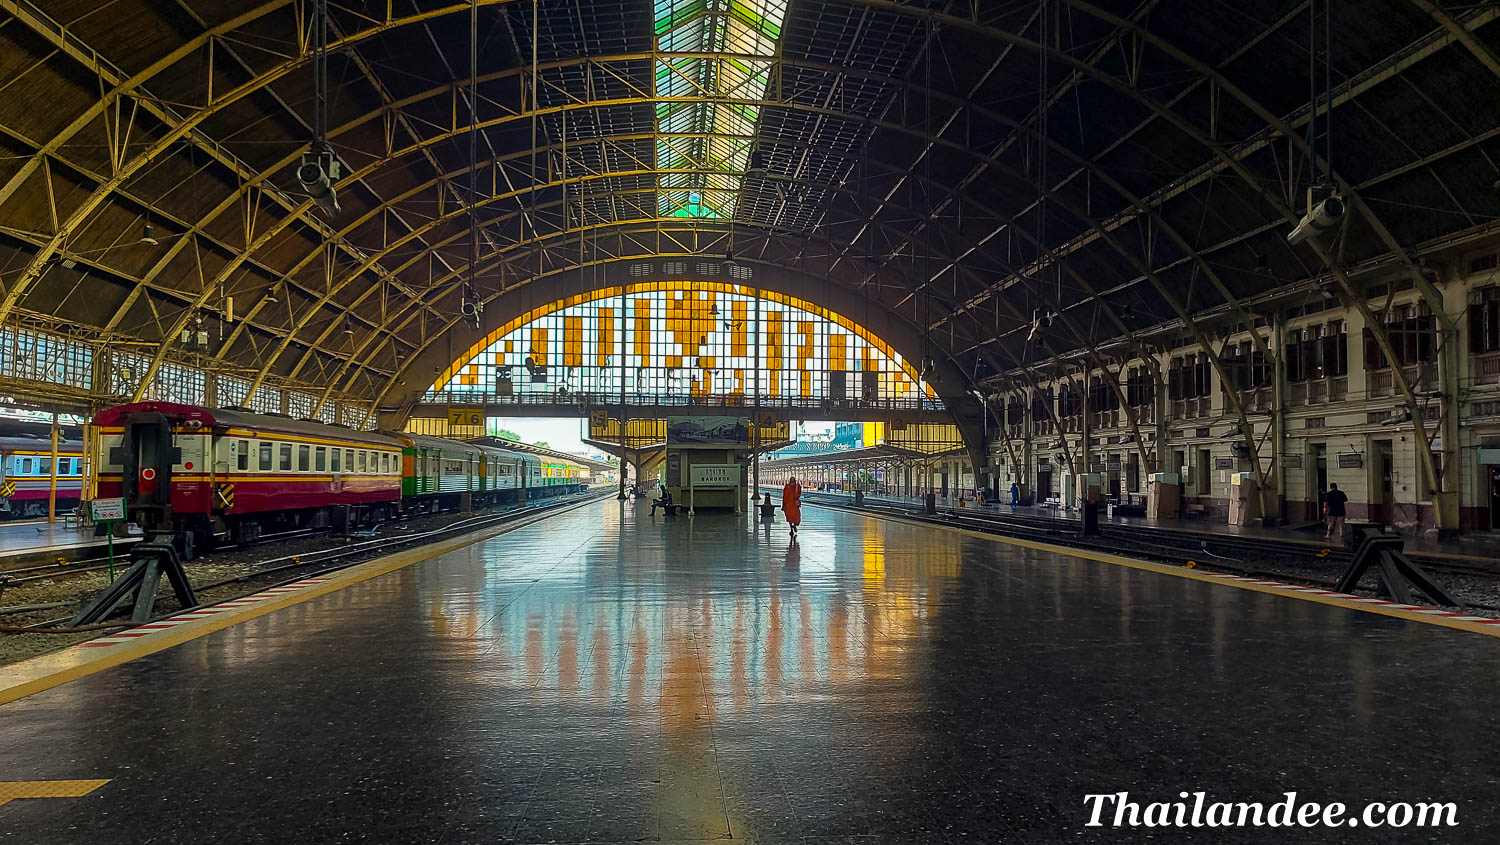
234, 562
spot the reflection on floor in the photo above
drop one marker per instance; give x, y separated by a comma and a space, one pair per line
608, 676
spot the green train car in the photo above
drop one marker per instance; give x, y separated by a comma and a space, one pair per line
437, 472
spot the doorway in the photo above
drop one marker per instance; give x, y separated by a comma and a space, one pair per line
1205, 472
1317, 477
1385, 509
1493, 474
1043, 482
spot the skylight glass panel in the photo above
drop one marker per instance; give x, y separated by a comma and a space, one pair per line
707, 142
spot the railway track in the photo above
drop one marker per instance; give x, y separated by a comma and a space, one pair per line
1235, 554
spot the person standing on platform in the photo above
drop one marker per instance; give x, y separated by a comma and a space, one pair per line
1015, 494
791, 503
1333, 512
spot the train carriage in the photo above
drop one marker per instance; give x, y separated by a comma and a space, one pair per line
207, 474
26, 475
227, 472
437, 473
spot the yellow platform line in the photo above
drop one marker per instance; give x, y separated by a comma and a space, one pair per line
10, 790
1181, 572
46, 671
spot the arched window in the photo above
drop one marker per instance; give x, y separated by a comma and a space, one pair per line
684, 343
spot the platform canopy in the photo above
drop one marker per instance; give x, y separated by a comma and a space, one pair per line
880, 454
946, 174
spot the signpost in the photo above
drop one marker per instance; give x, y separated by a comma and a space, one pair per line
107, 512
713, 475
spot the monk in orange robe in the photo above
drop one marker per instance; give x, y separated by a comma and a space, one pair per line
791, 503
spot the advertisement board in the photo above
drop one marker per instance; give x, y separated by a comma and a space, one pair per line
708, 431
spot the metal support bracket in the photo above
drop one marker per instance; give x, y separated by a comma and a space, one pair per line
1397, 574
153, 559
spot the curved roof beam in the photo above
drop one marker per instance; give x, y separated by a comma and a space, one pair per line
176, 130
448, 283
622, 228
457, 275
581, 104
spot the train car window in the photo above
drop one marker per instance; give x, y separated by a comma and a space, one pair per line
303, 454
333, 459
320, 459
265, 456
385, 462
46, 468
285, 454
348, 460
244, 455
26, 467
361, 454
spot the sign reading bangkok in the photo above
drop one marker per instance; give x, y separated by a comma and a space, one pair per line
715, 475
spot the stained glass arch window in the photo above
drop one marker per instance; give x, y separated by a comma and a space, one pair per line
682, 343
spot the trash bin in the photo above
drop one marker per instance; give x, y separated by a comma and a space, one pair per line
859, 497
931, 504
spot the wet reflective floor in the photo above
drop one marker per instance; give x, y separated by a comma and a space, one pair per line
609, 677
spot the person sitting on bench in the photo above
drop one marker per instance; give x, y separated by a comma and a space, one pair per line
664, 501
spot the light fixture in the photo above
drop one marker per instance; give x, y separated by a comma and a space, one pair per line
271, 293
348, 324
729, 262
1319, 219
147, 236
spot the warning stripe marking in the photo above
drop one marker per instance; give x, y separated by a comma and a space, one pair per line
195, 614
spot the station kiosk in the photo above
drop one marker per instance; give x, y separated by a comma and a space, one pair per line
1163, 495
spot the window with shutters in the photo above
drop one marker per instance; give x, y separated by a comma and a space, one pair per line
1484, 333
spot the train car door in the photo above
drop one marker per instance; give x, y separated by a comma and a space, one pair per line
193, 474
147, 455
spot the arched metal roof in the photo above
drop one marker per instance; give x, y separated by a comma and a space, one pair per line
1134, 165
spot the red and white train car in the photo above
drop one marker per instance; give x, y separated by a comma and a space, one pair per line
26, 475
215, 472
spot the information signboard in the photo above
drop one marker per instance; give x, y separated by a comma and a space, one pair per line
107, 510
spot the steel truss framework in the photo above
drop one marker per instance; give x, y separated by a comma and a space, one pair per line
1123, 164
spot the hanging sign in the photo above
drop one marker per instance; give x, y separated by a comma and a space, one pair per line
465, 416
